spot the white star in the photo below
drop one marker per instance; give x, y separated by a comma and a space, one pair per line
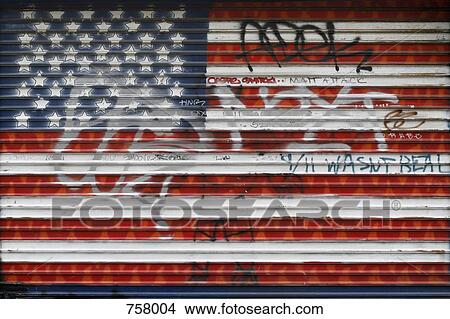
54, 120
70, 54
132, 26
22, 119
148, 14
114, 90
56, 15
86, 92
101, 53
55, 90
86, 40
177, 60
83, 117
41, 26
72, 26
55, 64
130, 53
176, 68
117, 14
177, 40
176, 90
165, 104
39, 79
39, 54
161, 79
115, 63
146, 91
87, 14
101, 79
25, 39
146, 64
177, 65
133, 105
56, 39
102, 106
70, 79
114, 39
28, 14
24, 63
163, 53
164, 26
131, 79
103, 26
84, 64
146, 39
23, 89
178, 14
40, 104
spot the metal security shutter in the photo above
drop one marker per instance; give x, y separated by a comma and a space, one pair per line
167, 148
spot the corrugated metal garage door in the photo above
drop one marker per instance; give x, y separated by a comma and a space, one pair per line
289, 147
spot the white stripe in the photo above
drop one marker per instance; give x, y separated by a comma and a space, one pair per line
220, 32
356, 26
340, 37
332, 113
333, 80
157, 251
319, 206
279, 124
271, 69
226, 163
333, 118
272, 75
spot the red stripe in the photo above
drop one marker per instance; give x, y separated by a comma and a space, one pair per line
335, 15
242, 236
330, 4
226, 268
386, 10
263, 229
412, 53
407, 97
306, 224
241, 279
397, 141
230, 273
234, 185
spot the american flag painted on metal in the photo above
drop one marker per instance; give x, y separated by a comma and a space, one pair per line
253, 143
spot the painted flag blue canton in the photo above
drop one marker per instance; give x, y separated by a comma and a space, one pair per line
98, 69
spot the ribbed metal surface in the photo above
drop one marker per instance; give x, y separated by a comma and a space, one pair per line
297, 143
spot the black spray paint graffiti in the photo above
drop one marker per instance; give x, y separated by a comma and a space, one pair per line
304, 53
242, 274
203, 231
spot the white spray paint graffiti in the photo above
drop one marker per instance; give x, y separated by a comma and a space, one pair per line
148, 98
306, 99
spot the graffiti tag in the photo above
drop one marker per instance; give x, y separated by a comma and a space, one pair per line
301, 44
397, 119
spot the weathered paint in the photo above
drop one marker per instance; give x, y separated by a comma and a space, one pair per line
302, 144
